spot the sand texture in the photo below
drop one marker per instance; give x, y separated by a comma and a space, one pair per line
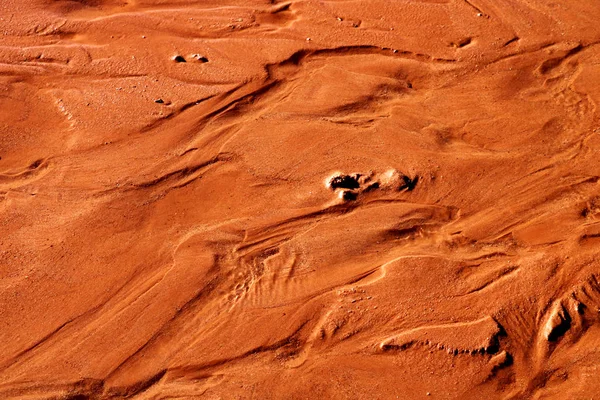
336, 199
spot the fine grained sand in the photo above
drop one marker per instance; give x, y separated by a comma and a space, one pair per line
299, 200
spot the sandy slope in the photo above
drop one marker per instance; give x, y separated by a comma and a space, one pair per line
327, 199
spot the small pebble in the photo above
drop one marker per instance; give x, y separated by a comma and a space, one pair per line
159, 101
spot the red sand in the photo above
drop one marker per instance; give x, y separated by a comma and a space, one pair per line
172, 230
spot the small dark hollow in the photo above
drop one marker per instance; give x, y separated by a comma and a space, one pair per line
159, 101
345, 182
560, 330
202, 59
409, 183
511, 41
400, 233
463, 43
35, 164
349, 196
493, 348
179, 59
372, 186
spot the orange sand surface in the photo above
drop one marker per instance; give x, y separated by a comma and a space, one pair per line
333, 199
